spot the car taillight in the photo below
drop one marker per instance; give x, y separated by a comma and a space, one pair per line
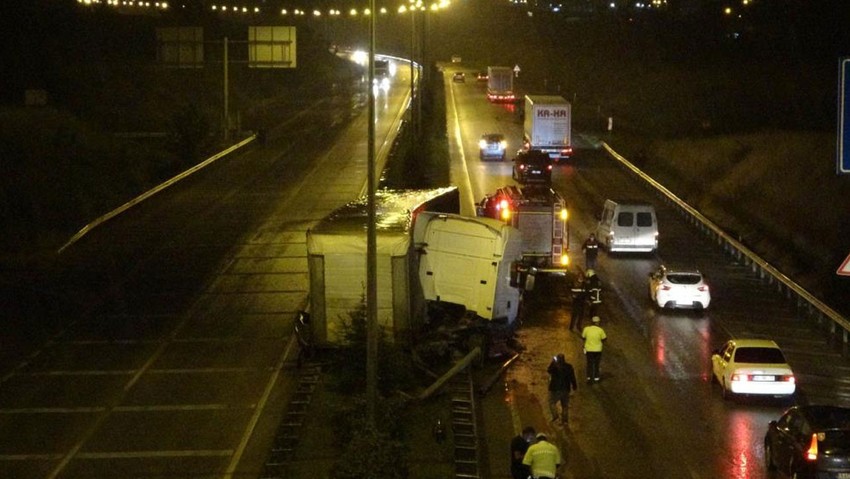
549, 167
665, 287
521, 167
740, 378
812, 451
703, 288
789, 379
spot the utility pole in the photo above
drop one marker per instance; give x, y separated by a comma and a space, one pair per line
371, 241
226, 95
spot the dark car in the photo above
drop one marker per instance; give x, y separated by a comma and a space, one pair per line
532, 166
459, 77
810, 442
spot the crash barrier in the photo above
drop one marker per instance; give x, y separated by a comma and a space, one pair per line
126, 206
836, 325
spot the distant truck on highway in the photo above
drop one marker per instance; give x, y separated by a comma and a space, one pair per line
500, 85
548, 126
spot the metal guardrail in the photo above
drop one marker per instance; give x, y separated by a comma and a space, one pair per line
804, 301
126, 206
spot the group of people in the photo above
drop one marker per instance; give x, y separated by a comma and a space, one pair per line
532, 454
586, 293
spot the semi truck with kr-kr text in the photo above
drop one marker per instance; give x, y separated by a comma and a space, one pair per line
547, 126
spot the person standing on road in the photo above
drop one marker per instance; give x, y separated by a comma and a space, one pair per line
519, 446
543, 458
562, 382
592, 291
593, 336
591, 251
579, 298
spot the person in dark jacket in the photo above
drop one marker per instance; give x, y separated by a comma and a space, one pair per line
519, 445
579, 300
562, 382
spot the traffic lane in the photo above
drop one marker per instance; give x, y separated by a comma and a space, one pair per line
744, 306
474, 116
187, 385
673, 344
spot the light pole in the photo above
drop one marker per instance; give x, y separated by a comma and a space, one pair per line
371, 240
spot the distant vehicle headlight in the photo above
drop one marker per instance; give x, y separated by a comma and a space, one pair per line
482, 144
503, 144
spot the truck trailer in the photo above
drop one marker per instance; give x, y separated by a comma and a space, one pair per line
336, 264
500, 85
547, 126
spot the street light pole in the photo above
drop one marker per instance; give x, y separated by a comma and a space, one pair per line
371, 240
226, 94
413, 133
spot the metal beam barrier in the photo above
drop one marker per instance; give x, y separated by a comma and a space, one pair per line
825, 317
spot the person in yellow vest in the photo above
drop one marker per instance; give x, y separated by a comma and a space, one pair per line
543, 458
593, 336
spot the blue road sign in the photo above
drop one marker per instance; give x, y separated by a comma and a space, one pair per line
843, 153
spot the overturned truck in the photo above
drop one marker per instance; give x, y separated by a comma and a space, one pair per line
427, 255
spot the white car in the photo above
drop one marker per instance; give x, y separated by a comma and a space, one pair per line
679, 288
752, 366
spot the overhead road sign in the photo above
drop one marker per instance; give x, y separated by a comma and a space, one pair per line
843, 147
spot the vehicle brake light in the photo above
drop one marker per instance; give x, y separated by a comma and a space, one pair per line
665, 287
549, 167
740, 378
521, 167
503, 205
812, 452
703, 288
789, 379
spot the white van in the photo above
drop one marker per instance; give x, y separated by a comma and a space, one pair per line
628, 226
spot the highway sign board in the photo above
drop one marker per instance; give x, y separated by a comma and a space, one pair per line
844, 269
843, 147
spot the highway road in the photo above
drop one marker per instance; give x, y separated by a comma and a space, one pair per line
169, 344
656, 413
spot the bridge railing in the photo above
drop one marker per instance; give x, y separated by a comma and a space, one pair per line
835, 324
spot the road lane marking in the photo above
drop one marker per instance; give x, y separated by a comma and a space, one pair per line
261, 405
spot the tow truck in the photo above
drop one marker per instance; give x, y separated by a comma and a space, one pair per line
541, 215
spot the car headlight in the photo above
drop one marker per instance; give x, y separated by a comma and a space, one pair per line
482, 144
